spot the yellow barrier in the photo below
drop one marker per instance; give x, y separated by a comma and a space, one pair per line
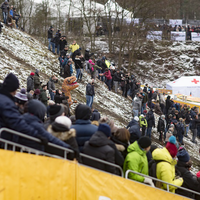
29, 177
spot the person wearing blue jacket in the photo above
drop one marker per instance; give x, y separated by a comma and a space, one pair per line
9, 115
84, 128
34, 118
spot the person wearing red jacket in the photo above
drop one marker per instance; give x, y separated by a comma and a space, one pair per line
108, 76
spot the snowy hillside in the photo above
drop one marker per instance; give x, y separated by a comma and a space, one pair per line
21, 54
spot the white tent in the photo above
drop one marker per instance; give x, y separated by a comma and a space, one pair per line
185, 85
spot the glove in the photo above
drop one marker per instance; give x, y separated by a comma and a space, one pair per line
149, 182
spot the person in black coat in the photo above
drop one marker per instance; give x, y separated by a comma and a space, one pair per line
90, 93
150, 121
30, 82
101, 147
0, 27
161, 127
88, 54
95, 115
168, 104
63, 42
183, 168
76, 53
67, 69
50, 36
59, 97
134, 129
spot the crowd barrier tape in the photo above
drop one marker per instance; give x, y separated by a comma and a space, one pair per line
29, 176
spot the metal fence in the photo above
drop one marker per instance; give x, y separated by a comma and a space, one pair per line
27, 149
158, 180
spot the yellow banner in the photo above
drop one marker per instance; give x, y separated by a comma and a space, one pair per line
29, 177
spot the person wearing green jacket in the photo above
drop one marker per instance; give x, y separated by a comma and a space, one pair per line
136, 160
43, 95
143, 123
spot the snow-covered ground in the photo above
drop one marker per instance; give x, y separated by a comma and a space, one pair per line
22, 54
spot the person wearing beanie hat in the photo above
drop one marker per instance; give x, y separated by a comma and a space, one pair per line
190, 181
11, 83
100, 146
36, 79
60, 128
10, 116
84, 128
21, 99
30, 82
165, 169
136, 160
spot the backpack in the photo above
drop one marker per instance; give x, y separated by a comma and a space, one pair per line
152, 171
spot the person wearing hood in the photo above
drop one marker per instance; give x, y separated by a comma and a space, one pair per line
183, 168
134, 130
10, 116
30, 82
84, 128
137, 102
136, 160
100, 146
34, 118
36, 79
51, 86
165, 169
95, 115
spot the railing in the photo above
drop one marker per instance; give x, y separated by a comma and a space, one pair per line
158, 180
27, 149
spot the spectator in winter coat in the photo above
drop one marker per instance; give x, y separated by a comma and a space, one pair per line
9, 115
51, 86
63, 42
143, 123
137, 101
76, 53
37, 79
168, 104
43, 95
116, 80
5, 10
67, 69
84, 128
95, 115
54, 111
16, 17
60, 129
36, 94
30, 82
165, 170
161, 127
78, 66
34, 118
134, 130
180, 131
157, 109
162, 101
193, 126
21, 99
144, 101
187, 121
108, 76
87, 58
50, 36
183, 168
136, 160
90, 93
0, 26
101, 147
59, 97
57, 41
150, 121
74, 46
121, 139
